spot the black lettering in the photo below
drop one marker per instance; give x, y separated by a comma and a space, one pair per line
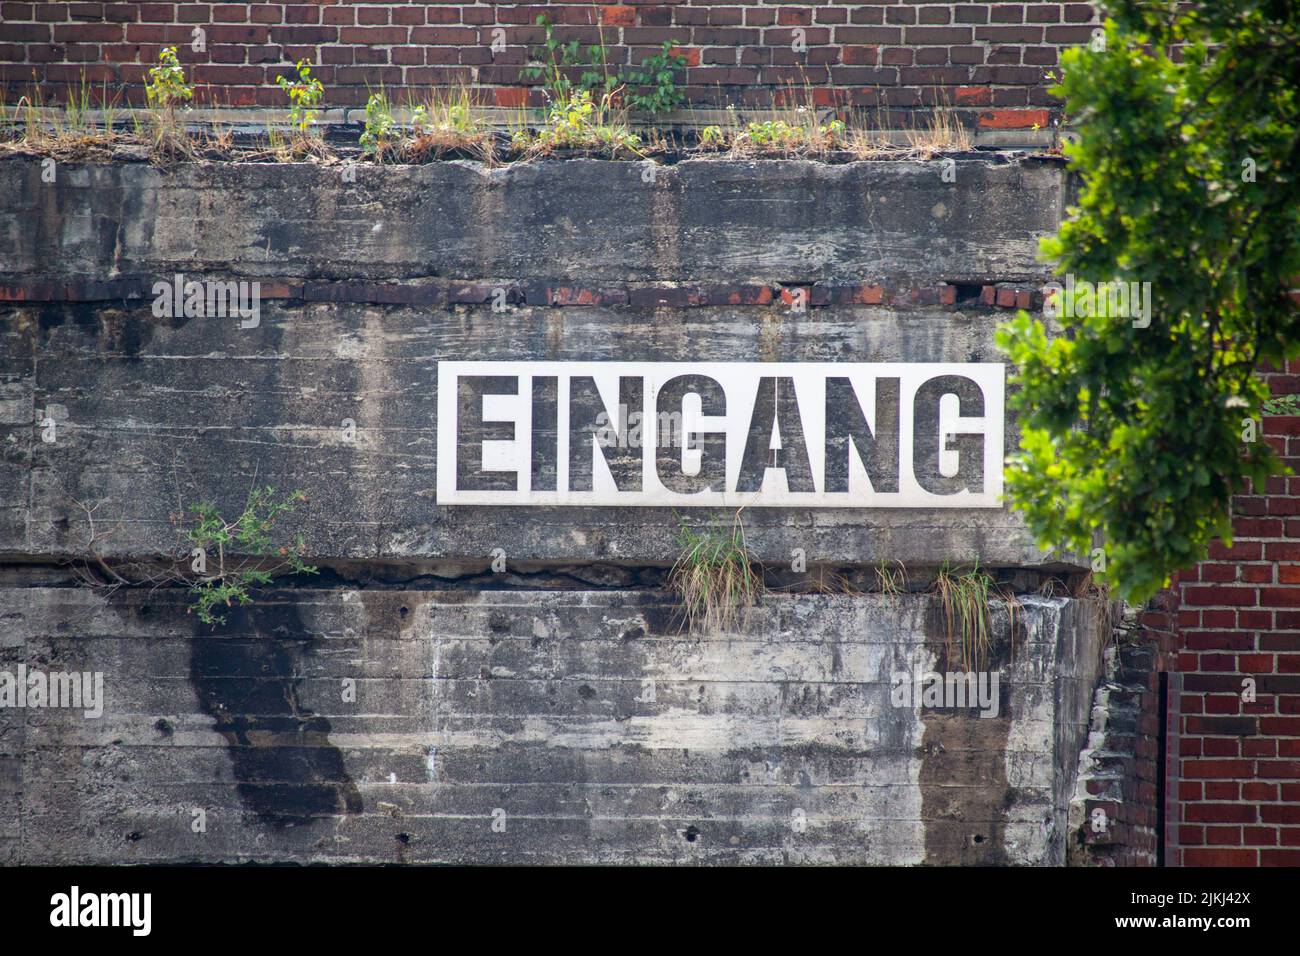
712, 445
585, 405
545, 455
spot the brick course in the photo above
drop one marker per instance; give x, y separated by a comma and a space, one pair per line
881, 57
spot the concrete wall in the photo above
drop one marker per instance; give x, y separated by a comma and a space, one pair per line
367, 285
525, 692
602, 733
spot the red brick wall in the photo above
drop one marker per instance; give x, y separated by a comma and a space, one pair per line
987, 59
1239, 773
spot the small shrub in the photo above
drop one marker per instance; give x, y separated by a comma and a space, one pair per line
239, 548
305, 95
653, 88
167, 88
165, 91
555, 58
378, 133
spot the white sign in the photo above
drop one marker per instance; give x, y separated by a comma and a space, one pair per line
754, 434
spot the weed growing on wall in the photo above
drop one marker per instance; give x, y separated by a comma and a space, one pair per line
379, 128
652, 88
715, 578
578, 123
304, 94
965, 599
230, 557
167, 89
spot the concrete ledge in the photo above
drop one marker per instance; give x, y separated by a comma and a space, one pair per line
584, 221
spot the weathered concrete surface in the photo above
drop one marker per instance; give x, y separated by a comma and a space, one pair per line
600, 732
582, 220
152, 414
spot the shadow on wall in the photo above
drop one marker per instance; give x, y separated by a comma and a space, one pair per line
246, 675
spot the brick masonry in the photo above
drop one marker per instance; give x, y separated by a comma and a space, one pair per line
987, 60
1239, 624
1227, 629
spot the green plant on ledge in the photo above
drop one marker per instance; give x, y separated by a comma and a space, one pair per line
964, 597
240, 549
167, 88
653, 88
165, 91
778, 136
579, 123
304, 96
891, 577
715, 578
378, 135
555, 58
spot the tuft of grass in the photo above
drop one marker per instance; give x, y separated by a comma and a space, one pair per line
445, 122
70, 132
942, 133
891, 577
964, 597
715, 579
1095, 594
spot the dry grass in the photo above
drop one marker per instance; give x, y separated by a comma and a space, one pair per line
965, 597
942, 133
66, 133
444, 122
715, 579
891, 577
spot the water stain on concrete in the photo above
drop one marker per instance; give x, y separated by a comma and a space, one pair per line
246, 673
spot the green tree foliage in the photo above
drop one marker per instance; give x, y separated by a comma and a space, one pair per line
1133, 433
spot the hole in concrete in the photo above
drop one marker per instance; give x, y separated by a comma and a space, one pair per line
403, 611
133, 837
979, 838
163, 726
403, 838
692, 832
586, 692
